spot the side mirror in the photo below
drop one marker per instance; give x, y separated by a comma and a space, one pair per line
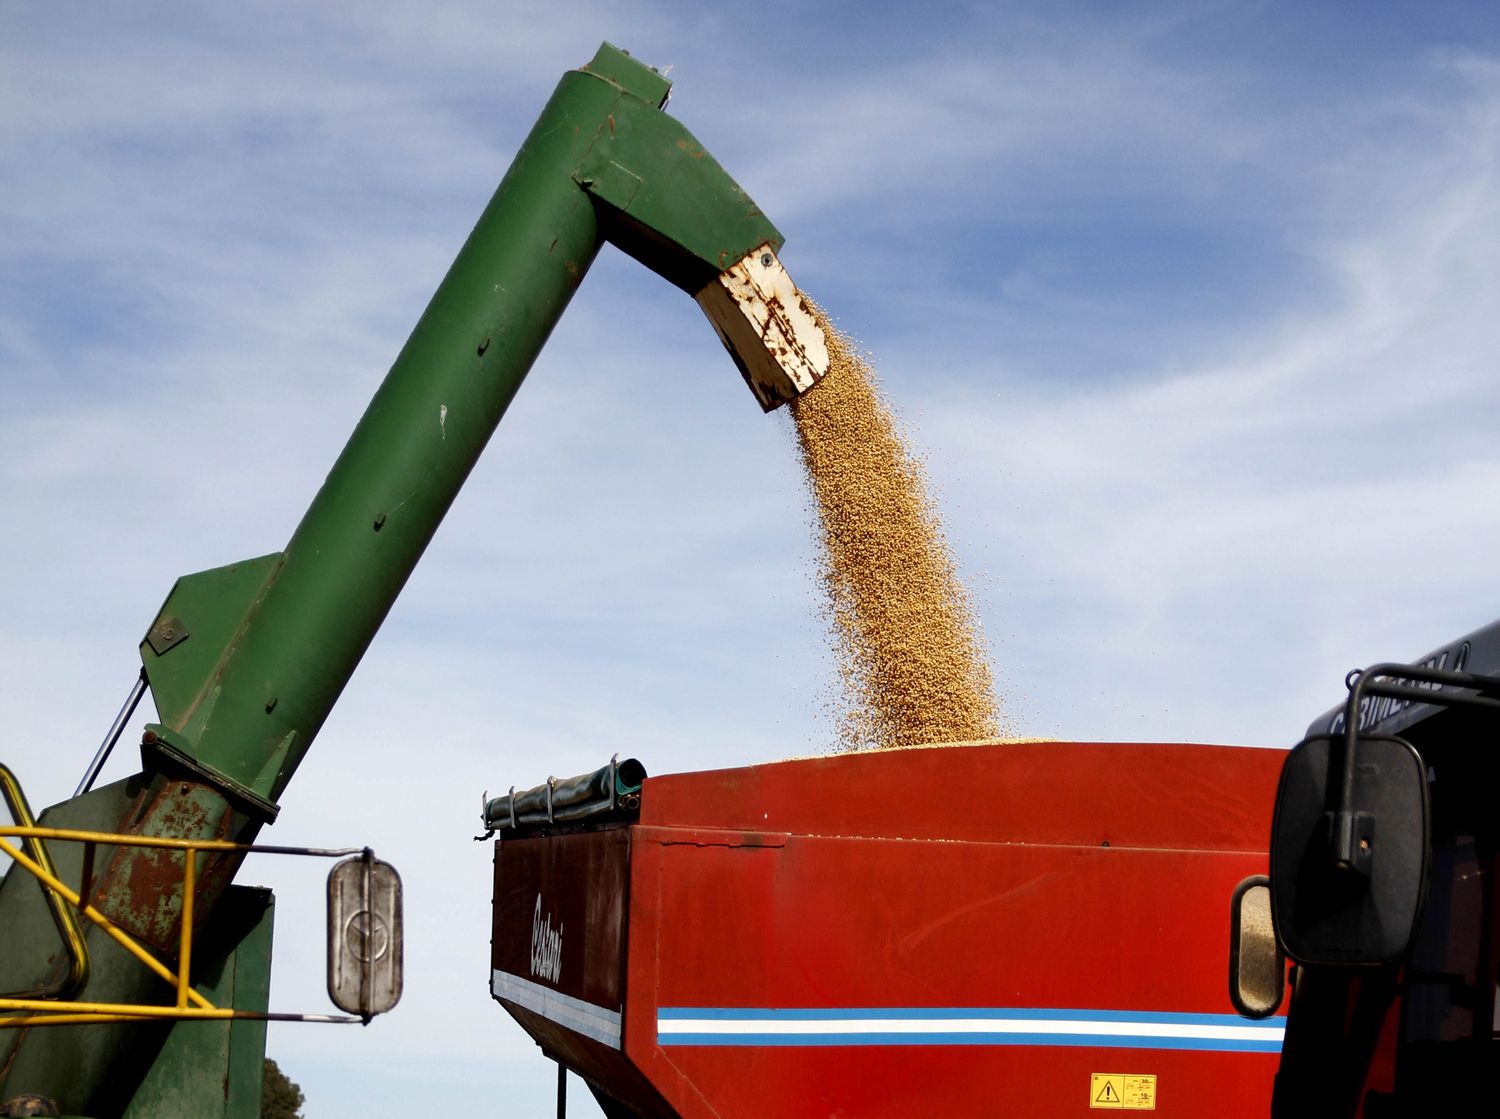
364, 936
1349, 873
1257, 967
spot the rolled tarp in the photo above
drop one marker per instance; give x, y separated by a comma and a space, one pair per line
568, 800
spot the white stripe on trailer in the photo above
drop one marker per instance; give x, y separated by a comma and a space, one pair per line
746, 1026
964, 1025
596, 1022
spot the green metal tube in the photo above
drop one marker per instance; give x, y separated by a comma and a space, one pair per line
412, 451
278, 638
245, 662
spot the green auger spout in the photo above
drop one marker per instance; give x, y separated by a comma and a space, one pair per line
245, 661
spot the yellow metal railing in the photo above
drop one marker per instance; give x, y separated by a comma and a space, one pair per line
62, 916
55, 1006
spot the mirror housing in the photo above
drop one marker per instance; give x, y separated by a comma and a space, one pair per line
1363, 910
364, 936
1257, 965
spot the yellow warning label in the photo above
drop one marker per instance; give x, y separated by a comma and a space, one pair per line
1122, 1091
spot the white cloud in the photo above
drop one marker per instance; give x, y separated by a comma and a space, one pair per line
1235, 536
218, 234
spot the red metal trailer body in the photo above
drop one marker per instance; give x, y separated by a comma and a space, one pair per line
1036, 929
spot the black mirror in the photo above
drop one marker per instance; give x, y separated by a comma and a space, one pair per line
1349, 871
1257, 967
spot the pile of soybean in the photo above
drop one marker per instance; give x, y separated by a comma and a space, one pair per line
905, 638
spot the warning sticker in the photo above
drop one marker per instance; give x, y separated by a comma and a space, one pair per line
1122, 1091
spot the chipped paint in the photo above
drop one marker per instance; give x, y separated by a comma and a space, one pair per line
768, 326
141, 889
443, 419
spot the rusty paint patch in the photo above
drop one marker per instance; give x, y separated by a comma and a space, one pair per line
141, 890
773, 331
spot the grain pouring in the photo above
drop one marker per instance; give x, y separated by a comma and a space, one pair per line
907, 644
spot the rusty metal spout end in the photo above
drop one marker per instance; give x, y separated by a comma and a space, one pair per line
774, 333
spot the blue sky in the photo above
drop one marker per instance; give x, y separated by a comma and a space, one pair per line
1190, 309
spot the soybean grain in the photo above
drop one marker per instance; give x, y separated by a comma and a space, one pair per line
905, 638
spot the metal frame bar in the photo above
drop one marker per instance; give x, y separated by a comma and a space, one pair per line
1367, 683
58, 1010
112, 736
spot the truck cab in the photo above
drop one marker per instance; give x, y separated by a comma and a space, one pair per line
1382, 890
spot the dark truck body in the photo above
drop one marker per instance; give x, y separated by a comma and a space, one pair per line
1416, 1034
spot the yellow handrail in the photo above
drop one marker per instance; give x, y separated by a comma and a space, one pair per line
78, 835
115, 933
62, 916
55, 1011
185, 956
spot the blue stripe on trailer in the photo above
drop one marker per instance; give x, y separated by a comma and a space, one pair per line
1050, 1026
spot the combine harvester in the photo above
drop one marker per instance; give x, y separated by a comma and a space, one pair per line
1036, 929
